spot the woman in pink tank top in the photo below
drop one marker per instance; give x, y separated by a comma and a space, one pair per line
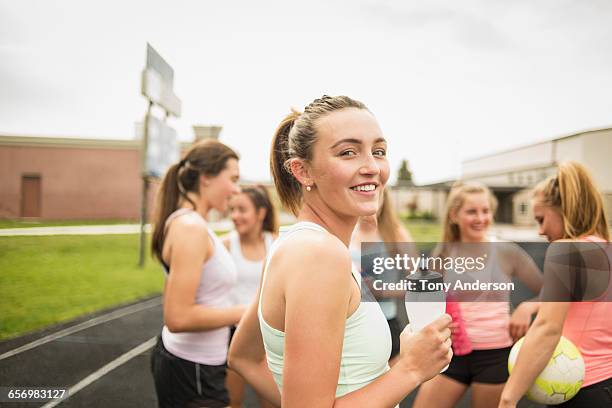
569, 209
485, 321
189, 361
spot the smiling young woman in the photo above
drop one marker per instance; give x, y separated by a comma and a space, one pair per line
489, 325
309, 341
254, 218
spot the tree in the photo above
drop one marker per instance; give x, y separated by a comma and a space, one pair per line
404, 175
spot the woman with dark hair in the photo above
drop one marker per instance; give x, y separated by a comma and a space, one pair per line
309, 340
189, 360
255, 223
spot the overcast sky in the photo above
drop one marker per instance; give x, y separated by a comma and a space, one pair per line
447, 80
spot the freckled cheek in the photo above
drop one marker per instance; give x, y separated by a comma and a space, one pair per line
334, 177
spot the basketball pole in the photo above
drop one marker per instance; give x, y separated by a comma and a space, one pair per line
145, 189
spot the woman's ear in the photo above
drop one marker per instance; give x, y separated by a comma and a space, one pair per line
204, 181
301, 172
452, 216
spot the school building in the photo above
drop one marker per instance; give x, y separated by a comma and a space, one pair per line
59, 178
70, 178
511, 174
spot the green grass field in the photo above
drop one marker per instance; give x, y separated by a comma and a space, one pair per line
424, 231
46, 280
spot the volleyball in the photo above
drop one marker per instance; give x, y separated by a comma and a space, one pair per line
562, 377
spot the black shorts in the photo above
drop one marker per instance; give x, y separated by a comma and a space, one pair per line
598, 395
481, 366
394, 327
232, 332
183, 383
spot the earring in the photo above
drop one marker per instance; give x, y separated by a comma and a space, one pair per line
308, 188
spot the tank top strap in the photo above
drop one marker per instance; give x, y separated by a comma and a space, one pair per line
593, 238
356, 275
176, 214
234, 244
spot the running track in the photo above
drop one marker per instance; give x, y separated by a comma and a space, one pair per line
103, 359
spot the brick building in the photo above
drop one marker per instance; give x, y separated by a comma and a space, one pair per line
69, 178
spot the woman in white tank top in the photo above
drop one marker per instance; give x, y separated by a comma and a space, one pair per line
188, 363
255, 222
310, 341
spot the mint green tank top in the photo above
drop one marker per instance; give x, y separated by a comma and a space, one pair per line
367, 340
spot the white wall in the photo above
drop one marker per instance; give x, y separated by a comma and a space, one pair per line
598, 158
538, 155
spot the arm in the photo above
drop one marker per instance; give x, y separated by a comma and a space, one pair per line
317, 296
181, 312
248, 358
525, 269
316, 308
539, 344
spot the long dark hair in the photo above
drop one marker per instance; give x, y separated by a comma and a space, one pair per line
208, 158
261, 199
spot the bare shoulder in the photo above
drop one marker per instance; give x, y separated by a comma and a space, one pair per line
187, 238
514, 259
189, 226
508, 249
315, 254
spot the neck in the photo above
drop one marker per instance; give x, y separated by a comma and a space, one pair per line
340, 226
367, 224
201, 206
252, 237
470, 240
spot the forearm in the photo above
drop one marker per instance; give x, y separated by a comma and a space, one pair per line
258, 375
535, 353
532, 305
386, 391
201, 318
